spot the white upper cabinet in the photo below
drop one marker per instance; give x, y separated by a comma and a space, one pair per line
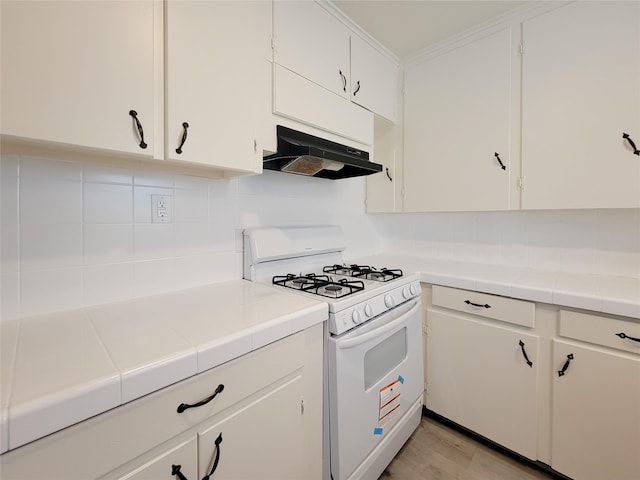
458, 109
214, 57
581, 93
374, 80
73, 71
313, 43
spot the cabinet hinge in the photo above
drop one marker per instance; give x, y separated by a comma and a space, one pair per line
521, 49
425, 386
255, 146
301, 407
521, 183
273, 43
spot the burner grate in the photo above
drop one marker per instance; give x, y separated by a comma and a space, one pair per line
364, 271
319, 285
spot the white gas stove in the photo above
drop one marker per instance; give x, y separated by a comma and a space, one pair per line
374, 359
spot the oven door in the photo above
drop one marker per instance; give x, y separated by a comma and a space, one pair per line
375, 376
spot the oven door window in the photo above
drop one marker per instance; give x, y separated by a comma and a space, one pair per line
384, 357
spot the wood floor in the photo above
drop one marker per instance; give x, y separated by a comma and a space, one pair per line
436, 451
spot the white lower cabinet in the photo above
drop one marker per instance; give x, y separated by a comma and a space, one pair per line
264, 422
480, 377
577, 408
261, 440
596, 403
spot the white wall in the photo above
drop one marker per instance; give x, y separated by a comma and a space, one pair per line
76, 234
605, 242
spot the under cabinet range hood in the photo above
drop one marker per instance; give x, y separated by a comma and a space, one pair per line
305, 154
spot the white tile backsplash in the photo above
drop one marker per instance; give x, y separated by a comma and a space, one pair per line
601, 242
77, 234
50, 245
107, 203
104, 244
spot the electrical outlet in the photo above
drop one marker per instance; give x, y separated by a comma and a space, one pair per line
161, 209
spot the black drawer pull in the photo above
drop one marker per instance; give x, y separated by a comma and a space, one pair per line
469, 302
344, 81
183, 406
357, 88
388, 176
175, 471
216, 459
134, 114
185, 125
566, 365
499, 161
624, 335
633, 145
524, 352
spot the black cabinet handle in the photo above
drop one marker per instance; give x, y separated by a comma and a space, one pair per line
388, 176
217, 457
566, 365
344, 81
624, 335
633, 145
185, 125
469, 302
134, 114
499, 161
524, 352
183, 406
175, 471
357, 88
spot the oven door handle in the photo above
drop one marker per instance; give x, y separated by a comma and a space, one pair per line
378, 332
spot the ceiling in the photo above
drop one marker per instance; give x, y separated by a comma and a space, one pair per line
408, 26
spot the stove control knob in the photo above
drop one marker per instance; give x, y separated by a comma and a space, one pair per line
388, 301
415, 289
406, 293
356, 317
368, 310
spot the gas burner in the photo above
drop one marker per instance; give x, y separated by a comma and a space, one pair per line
338, 289
338, 270
300, 282
382, 275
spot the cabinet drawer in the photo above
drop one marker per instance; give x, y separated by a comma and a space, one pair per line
504, 309
600, 330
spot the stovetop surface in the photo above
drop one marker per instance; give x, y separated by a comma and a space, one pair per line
342, 283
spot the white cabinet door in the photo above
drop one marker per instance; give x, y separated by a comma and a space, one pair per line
72, 72
313, 43
596, 413
478, 376
182, 458
383, 189
374, 80
457, 120
215, 55
581, 72
263, 440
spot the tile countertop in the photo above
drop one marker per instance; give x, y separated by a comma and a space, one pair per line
62, 368
599, 293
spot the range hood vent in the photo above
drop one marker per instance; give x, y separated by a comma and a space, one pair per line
305, 154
